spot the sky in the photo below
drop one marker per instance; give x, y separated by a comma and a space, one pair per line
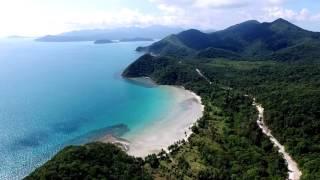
42, 17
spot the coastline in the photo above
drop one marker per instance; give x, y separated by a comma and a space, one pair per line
166, 130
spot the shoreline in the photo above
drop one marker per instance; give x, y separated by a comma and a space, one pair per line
165, 130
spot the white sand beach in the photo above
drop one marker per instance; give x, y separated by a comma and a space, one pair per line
170, 128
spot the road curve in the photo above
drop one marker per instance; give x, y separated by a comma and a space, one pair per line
294, 171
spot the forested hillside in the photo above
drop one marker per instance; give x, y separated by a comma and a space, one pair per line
279, 40
91, 161
278, 63
289, 92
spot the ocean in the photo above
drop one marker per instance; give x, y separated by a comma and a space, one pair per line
58, 94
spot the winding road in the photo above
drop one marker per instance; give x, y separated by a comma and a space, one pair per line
201, 74
294, 171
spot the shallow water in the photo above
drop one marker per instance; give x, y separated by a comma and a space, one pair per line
56, 94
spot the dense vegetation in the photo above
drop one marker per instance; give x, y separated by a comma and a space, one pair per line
279, 40
290, 93
278, 63
226, 143
92, 161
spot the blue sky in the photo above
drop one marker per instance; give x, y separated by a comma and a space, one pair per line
296, 5
40, 17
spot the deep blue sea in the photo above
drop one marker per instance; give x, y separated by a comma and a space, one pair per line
57, 94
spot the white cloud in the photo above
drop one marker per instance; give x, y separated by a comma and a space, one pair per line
221, 4
218, 14
32, 19
303, 17
203, 3
15, 18
276, 2
279, 12
315, 17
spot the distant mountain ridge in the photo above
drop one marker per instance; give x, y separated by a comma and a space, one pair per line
136, 39
151, 32
107, 41
249, 40
275, 64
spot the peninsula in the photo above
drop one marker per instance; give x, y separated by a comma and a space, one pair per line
277, 62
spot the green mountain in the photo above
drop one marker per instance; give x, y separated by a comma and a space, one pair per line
250, 40
170, 45
277, 63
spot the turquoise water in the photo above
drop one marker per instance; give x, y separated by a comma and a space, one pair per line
55, 94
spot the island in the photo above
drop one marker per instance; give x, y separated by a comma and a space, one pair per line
253, 79
103, 41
